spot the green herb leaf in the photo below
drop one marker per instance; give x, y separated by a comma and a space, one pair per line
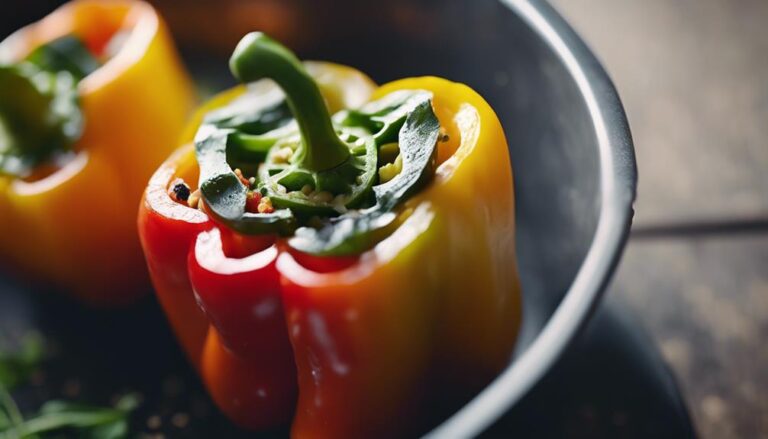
384, 117
72, 419
345, 235
79, 420
224, 194
418, 149
86, 421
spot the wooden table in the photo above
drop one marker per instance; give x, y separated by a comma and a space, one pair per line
693, 76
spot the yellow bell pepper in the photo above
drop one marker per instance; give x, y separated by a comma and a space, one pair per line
74, 225
428, 316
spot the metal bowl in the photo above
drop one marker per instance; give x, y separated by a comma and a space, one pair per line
575, 180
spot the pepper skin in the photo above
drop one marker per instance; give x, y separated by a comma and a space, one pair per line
383, 343
74, 227
239, 343
432, 311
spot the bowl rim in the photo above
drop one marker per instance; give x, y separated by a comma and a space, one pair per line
618, 184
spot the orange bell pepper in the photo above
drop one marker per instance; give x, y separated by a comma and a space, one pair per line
73, 224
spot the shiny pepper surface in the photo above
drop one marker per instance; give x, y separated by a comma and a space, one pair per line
74, 225
362, 345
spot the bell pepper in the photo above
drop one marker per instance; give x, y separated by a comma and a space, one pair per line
93, 97
376, 290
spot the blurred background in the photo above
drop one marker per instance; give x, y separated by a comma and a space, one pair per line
693, 76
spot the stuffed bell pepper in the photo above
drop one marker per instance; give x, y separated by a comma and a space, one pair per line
91, 97
334, 255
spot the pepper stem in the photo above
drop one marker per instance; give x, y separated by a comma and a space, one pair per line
257, 56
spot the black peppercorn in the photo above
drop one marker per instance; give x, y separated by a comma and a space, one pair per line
181, 190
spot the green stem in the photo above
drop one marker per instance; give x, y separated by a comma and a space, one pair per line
257, 56
12, 410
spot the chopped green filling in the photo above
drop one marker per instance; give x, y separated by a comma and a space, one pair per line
332, 182
40, 115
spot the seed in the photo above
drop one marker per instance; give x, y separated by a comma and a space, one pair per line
282, 155
390, 170
194, 199
179, 190
322, 197
388, 152
338, 203
242, 178
443, 135
252, 201
265, 206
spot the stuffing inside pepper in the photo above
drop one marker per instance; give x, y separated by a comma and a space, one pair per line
316, 172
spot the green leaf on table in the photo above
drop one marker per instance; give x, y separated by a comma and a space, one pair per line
76, 420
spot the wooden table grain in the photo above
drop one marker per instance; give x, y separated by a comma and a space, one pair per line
693, 76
